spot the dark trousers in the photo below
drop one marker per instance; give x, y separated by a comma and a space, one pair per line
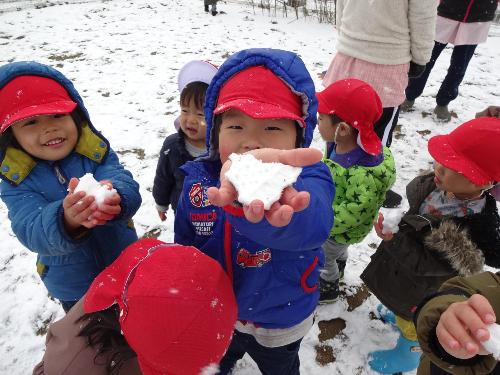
386, 124
448, 91
283, 360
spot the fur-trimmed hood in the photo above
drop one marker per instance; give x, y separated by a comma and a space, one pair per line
455, 245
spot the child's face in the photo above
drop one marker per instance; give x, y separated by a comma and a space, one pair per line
326, 127
51, 137
240, 133
193, 123
454, 182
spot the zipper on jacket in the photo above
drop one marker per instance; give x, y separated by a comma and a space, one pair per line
60, 175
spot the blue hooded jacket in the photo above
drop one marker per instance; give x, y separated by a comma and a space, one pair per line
34, 189
275, 270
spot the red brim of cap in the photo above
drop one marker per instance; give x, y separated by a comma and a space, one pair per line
258, 110
147, 370
107, 287
54, 108
442, 151
371, 142
322, 105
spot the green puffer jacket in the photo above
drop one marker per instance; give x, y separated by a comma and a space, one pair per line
457, 289
360, 191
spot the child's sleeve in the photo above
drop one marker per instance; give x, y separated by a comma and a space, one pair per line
309, 228
164, 181
123, 182
421, 22
457, 289
38, 223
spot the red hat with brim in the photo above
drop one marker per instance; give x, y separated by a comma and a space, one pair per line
260, 94
29, 96
472, 150
356, 103
177, 306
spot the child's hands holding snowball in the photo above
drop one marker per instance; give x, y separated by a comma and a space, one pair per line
93, 204
280, 212
463, 328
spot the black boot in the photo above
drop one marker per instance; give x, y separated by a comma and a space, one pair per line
328, 291
206, 8
392, 199
214, 12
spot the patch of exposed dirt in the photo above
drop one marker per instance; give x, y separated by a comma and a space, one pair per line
324, 354
361, 295
137, 151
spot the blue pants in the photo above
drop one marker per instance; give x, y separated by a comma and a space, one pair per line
448, 91
283, 360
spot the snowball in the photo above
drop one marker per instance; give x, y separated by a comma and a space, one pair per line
493, 343
90, 186
391, 221
254, 179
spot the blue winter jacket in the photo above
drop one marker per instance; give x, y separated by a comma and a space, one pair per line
34, 189
275, 270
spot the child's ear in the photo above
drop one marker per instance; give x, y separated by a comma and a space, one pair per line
344, 129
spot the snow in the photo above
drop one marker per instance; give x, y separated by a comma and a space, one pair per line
123, 57
493, 343
92, 187
392, 217
254, 179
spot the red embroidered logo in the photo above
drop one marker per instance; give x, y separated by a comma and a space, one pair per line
246, 259
196, 194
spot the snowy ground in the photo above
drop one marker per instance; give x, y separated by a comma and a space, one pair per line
124, 57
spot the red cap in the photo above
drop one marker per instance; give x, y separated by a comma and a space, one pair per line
29, 96
472, 150
260, 94
177, 306
357, 103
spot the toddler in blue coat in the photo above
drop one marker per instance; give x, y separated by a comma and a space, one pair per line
262, 101
47, 142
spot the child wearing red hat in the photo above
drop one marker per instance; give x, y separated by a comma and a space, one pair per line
262, 101
451, 228
189, 141
47, 142
157, 309
361, 170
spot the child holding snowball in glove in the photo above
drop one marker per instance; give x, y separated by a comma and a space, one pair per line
47, 142
262, 101
451, 228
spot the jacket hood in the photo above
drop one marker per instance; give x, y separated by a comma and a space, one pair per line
31, 68
286, 65
454, 244
16, 164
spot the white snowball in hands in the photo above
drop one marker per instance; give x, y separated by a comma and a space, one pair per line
392, 217
493, 343
254, 179
90, 186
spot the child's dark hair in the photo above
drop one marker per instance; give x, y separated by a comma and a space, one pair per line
103, 332
7, 137
218, 121
194, 91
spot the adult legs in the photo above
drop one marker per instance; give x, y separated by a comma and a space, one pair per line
459, 62
416, 85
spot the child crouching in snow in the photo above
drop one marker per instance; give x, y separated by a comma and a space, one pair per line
361, 170
451, 228
47, 141
157, 309
262, 101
